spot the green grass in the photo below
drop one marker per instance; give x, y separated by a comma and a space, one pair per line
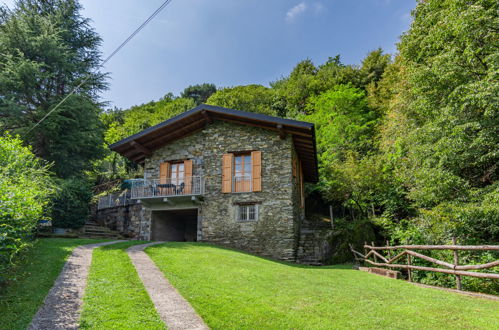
33, 278
115, 297
234, 290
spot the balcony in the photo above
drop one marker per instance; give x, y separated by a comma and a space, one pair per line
164, 188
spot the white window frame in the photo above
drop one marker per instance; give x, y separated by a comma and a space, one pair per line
246, 219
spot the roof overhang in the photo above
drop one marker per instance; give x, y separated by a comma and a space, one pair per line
139, 146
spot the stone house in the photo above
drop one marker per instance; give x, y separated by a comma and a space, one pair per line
224, 176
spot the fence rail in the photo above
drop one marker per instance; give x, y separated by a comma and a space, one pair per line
372, 257
114, 200
185, 186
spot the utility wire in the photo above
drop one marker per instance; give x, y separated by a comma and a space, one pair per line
127, 40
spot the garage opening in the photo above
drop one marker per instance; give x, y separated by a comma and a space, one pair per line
175, 225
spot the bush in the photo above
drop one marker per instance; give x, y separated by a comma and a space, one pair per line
473, 223
354, 232
70, 206
25, 189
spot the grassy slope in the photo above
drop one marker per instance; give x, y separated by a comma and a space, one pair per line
115, 297
235, 290
20, 300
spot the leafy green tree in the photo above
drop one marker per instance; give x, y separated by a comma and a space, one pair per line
199, 93
47, 49
298, 87
25, 190
345, 128
451, 100
70, 205
253, 98
123, 123
373, 66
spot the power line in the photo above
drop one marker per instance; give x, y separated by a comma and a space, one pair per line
127, 40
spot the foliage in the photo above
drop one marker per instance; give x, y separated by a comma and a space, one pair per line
70, 205
440, 134
113, 282
123, 123
253, 98
25, 189
199, 93
307, 80
31, 280
345, 129
290, 296
47, 49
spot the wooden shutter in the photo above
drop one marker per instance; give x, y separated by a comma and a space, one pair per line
188, 176
256, 170
302, 188
293, 161
227, 161
164, 172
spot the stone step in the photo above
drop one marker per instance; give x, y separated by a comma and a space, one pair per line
100, 237
100, 234
99, 230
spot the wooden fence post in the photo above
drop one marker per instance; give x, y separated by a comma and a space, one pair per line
375, 258
409, 275
388, 251
456, 263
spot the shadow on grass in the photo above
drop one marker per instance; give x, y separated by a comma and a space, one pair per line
189, 245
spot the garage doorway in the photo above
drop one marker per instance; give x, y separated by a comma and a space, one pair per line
175, 225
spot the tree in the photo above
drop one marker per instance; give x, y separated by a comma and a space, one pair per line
123, 123
199, 93
253, 98
25, 190
451, 100
47, 49
345, 128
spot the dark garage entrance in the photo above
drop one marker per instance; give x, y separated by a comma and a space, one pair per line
175, 225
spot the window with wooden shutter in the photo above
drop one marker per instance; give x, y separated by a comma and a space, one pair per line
188, 176
256, 170
227, 161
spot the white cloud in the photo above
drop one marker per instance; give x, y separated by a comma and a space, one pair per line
296, 11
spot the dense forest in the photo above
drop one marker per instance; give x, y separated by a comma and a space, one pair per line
407, 142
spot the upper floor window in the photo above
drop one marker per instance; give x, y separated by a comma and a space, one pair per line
242, 173
175, 178
177, 173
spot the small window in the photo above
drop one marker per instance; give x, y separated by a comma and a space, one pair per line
247, 212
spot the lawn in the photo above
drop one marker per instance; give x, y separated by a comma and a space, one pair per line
115, 297
20, 300
234, 290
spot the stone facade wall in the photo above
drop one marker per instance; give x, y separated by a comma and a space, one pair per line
125, 219
276, 233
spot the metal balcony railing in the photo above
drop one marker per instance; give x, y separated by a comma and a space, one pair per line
114, 200
188, 186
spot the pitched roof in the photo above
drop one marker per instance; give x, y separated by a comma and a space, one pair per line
138, 146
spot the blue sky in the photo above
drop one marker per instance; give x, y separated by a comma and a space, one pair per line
234, 42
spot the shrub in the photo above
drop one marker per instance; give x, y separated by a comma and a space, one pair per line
70, 205
25, 189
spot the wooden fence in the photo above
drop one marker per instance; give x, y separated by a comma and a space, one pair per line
373, 257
